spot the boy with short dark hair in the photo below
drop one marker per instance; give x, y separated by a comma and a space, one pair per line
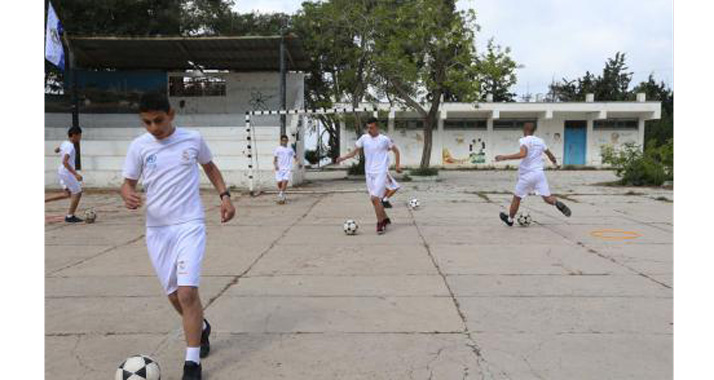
531, 176
166, 158
376, 148
68, 177
283, 158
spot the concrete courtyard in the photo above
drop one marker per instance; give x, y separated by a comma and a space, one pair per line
448, 293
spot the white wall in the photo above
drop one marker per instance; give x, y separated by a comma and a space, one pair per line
106, 137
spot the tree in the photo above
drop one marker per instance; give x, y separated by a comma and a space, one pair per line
497, 73
335, 35
658, 132
425, 49
612, 85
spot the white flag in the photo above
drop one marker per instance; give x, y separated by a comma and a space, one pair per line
54, 52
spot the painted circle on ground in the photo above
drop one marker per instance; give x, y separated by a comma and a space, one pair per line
615, 234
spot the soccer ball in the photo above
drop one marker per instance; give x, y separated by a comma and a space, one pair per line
138, 367
90, 216
413, 203
524, 220
350, 227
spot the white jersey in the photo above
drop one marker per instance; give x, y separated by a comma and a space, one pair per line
169, 172
376, 152
67, 148
285, 157
533, 161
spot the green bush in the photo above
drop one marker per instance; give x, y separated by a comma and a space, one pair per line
356, 169
654, 166
424, 172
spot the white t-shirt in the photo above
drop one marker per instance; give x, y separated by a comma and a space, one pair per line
376, 152
285, 156
534, 158
66, 148
169, 171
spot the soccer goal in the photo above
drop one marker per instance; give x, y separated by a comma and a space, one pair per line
262, 135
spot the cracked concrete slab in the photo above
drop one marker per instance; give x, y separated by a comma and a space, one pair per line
448, 293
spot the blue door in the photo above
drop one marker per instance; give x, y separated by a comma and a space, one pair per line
575, 143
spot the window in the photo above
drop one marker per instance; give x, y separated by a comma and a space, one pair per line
181, 86
512, 123
408, 124
616, 124
464, 124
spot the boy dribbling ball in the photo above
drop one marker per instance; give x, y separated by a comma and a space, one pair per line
283, 159
166, 158
376, 148
531, 176
69, 178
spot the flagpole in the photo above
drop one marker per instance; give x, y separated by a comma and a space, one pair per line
70, 67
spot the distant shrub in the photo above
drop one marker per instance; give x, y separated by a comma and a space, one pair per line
424, 172
654, 166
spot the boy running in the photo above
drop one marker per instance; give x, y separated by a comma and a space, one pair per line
166, 158
530, 173
283, 162
68, 177
376, 149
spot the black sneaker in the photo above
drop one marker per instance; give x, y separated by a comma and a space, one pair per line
191, 370
563, 208
387, 221
504, 218
386, 204
72, 219
205, 343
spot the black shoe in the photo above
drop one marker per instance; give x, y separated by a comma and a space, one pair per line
191, 370
563, 208
72, 219
380, 228
386, 204
205, 343
505, 218
387, 221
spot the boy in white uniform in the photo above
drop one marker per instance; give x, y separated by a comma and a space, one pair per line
283, 162
68, 177
530, 173
376, 149
166, 159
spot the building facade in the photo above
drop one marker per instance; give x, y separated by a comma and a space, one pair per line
471, 135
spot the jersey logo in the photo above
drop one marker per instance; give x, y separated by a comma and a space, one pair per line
151, 159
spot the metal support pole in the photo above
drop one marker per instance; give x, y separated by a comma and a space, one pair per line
283, 74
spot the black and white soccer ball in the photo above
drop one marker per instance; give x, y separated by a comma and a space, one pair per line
138, 367
413, 203
90, 216
524, 219
350, 227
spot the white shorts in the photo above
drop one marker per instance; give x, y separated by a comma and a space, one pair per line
530, 182
283, 175
69, 182
176, 252
378, 183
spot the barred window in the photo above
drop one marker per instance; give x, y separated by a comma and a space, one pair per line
616, 124
512, 123
182, 86
465, 124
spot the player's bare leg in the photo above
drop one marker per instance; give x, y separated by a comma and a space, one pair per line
380, 213
515, 204
173, 298
551, 200
191, 313
64, 195
74, 203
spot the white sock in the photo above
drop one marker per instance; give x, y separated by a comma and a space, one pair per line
205, 326
510, 218
70, 215
193, 354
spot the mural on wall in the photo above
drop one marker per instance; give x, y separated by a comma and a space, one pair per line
477, 153
259, 100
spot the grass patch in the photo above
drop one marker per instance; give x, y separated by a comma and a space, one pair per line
664, 199
630, 192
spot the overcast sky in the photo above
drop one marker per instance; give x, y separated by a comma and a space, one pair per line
563, 38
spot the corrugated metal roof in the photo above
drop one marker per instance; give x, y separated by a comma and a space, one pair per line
174, 53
